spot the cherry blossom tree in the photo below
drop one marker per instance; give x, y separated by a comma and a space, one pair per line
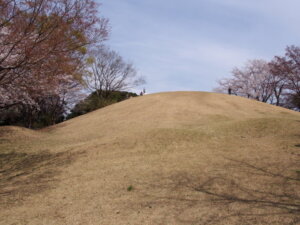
276, 82
251, 81
43, 45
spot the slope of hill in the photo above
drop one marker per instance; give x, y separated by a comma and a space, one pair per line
166, 158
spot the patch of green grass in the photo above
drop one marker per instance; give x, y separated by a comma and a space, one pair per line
130, 188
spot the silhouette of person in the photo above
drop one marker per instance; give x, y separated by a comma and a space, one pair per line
229, 91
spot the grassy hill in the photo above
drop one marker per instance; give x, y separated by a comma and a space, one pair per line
169, 158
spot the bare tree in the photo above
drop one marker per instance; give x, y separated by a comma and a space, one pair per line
279, 79
293, 68
107, 71
287, 71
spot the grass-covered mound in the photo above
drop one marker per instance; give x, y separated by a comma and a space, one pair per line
167, 158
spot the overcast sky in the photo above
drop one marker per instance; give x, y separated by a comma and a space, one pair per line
188, 45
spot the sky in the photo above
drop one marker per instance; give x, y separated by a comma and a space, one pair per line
189, 45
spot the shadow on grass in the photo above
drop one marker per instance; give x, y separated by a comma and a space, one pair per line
238, 193
298, 145
23, 174
273, 199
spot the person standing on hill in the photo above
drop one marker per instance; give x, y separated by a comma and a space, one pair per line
229, 91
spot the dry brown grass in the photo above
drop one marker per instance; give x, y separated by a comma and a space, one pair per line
170, 158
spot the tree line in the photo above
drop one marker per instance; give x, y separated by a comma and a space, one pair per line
52, 54
276, 82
